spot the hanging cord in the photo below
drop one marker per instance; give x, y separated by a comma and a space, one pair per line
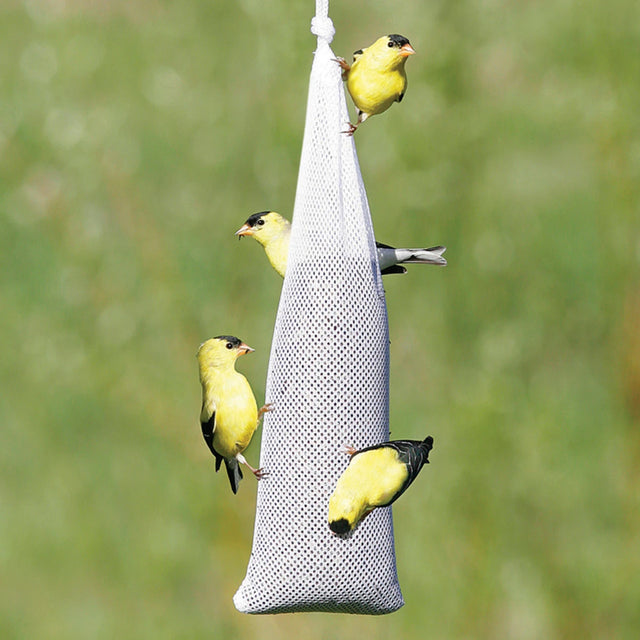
321, 24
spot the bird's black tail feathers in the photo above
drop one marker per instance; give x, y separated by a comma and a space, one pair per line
426, 445
234, 472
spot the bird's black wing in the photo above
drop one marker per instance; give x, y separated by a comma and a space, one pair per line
208, 429
413, 453
399, 98
394, 268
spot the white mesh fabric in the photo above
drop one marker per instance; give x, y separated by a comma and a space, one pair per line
328, 380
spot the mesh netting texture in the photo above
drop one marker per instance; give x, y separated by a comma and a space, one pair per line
328, 381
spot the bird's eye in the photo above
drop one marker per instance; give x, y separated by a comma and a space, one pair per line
390, 44
260, 222
229, 345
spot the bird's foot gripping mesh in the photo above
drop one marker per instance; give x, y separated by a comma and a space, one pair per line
328, 380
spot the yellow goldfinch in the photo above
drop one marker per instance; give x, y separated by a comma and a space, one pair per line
376, 78
229, 415
376, 477
273, 231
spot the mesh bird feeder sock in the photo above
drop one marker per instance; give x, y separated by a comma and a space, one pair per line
328, 381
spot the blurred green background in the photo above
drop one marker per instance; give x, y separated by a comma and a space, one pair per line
136, 137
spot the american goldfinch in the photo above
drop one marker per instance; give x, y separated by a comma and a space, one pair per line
376, 477
376, 78
229, 415
273, 231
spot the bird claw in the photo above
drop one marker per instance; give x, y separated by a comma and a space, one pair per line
351, 130
343, 63
258, 473
348, 449
265, 409
261, 473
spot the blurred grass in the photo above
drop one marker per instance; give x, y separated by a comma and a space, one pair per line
135, 138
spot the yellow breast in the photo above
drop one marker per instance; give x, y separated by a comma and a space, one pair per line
278, 251
374, 91
236, 413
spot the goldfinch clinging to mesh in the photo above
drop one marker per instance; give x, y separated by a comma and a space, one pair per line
229, 415
273, 231
376, 78
376, 477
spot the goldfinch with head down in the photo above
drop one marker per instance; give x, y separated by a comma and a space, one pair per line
229, 415
377, 79
273, 232
376, 477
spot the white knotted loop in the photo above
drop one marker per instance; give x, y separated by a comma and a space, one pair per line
322, 26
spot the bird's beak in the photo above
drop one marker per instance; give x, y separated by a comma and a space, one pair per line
245, 348
244, 230
406, 50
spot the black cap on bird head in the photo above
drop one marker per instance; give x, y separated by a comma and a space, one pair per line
402, 44
236, 342
253, 219
398, 40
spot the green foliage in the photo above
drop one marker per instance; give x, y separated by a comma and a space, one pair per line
135, 138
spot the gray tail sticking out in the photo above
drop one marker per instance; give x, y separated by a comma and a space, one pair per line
432, 255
